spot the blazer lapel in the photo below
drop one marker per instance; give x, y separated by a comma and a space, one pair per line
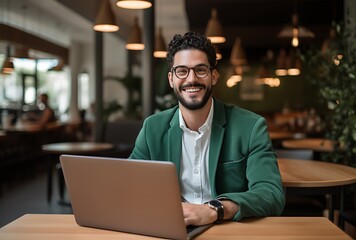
175, 142
216, 139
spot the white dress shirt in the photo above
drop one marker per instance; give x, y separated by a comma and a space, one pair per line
194, 169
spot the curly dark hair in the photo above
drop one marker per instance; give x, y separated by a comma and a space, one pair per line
191, 40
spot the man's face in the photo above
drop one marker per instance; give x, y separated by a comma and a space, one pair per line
192, 92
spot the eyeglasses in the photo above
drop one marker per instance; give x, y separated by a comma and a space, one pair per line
201, 71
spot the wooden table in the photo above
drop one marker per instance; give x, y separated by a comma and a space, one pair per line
316, 177
315, 144
75, 148
276, 135
54, 227
281, 135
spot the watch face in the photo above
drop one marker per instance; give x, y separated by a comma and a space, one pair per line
219, 208
215, 203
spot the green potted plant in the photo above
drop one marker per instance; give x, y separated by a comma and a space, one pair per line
333, 72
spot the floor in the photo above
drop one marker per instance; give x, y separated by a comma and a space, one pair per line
28, 194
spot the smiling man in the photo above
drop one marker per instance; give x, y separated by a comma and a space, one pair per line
225, 162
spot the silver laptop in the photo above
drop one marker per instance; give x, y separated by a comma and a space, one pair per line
135, 196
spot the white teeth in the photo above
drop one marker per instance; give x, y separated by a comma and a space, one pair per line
190, 90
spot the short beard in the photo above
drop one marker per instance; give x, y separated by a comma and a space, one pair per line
194, 105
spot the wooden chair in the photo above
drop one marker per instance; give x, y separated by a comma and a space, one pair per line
348, 216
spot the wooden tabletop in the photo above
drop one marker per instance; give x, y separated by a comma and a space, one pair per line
55, 227
76, 147
280, 135
33, 128
274, 135
316, 144
311, 173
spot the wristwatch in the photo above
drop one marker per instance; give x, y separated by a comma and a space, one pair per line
219, 208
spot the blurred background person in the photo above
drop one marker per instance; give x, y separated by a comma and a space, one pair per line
44, 115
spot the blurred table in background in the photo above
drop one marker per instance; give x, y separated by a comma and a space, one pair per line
277, 136
315, 144
53, 151
316, 177
20, 148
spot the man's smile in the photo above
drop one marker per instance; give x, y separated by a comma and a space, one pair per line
192, 89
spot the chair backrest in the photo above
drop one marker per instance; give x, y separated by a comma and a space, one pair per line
122, 131
304, 154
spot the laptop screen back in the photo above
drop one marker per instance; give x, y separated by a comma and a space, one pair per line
134, 196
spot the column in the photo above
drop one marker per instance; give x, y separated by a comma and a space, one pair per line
148, 93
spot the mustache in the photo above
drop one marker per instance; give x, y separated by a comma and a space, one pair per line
192, 85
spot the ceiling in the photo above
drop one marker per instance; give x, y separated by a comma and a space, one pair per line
256, 22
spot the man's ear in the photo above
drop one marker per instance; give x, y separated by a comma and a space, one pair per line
170, 79
215, 76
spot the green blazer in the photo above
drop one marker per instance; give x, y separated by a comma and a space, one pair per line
242, 164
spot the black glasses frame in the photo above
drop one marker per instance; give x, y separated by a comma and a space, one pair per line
194, 70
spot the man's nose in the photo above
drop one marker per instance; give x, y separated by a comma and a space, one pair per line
191, 75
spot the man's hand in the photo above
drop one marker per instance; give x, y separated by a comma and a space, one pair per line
202, 214
198, 214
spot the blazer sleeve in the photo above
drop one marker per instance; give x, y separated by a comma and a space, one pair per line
264, 195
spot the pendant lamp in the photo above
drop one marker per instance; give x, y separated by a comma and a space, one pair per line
295, 31
134, 4
294, 64
160, 45
265, 77
235, 78
217, 51
8, 66
237, 56
105, 19
281, 64
214, 30
135, 39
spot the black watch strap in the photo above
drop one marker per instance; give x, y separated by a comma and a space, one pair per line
219, 208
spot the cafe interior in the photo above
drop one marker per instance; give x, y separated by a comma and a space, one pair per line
103, 67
